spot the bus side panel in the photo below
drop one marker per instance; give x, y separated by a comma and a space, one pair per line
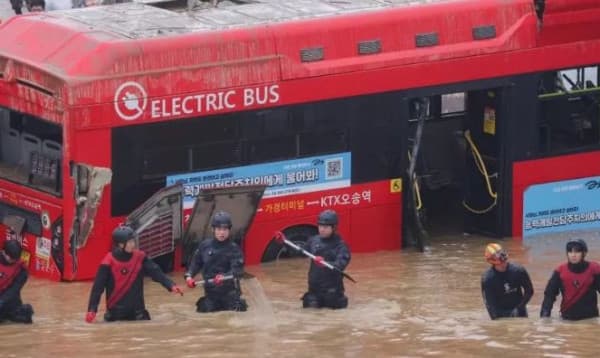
376, 228
547, 170
91, 148
369, 213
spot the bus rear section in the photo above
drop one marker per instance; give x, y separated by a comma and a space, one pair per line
31, 190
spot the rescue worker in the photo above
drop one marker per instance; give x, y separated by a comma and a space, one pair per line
222, 265
13, 276
505, 286
17, 6
577, 280
37, 5
121, 274
326, 286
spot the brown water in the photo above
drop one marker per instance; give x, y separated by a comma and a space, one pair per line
405, 304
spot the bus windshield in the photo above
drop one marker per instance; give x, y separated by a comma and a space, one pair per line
31, 151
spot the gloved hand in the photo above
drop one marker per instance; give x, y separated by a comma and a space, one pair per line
190, 282
90, 316
176, 289
218, 279
279, 237
319, 261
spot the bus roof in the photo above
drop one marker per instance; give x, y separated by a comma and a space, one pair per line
148, 18
80, 56
133, 38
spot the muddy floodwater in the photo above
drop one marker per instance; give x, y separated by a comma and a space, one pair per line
405, 304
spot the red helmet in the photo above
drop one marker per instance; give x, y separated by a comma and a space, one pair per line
495, 254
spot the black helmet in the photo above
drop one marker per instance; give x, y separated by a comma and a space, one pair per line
577, 245
327, 217
122, 234
13, 249
221, 219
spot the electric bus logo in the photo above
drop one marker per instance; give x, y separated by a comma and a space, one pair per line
130, 101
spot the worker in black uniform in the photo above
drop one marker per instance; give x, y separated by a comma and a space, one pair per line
13, 276
505, 286
577, 280
222, 265
326, 286
121, 274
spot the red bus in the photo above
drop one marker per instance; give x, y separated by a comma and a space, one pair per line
398, 114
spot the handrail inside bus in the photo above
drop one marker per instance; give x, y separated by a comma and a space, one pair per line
569, 93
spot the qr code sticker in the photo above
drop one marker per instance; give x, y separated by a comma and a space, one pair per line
333, 168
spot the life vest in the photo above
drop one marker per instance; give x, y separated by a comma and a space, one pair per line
124, 274
8, 273
576, 285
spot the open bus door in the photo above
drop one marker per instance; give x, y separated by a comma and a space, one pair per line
159, 224
240, 202
483, 162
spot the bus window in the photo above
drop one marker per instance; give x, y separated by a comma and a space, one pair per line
569, 117
367, 126
271, 149
158, 161
31, 151
215, 155
330, 141
30, 222
453, 103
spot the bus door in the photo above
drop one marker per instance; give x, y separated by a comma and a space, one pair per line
241, 202
483, 162
158, 223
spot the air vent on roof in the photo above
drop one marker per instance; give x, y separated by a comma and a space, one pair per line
369, 47
312, 54
426, 40
484, 32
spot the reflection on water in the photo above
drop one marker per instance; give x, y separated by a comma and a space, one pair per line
405, 304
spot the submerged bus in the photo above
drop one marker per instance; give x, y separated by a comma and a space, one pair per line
435, 114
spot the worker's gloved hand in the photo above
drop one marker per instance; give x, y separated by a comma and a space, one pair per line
319, 261
218, 279
190, 282
176, 289
90, 316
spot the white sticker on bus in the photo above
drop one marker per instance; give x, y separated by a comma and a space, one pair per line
130, 101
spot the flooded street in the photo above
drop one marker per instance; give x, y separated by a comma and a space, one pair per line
405, 304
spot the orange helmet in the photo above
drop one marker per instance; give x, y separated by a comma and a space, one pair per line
495, 254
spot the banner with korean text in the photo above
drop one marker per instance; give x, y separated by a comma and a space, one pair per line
562, 206
287, 177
